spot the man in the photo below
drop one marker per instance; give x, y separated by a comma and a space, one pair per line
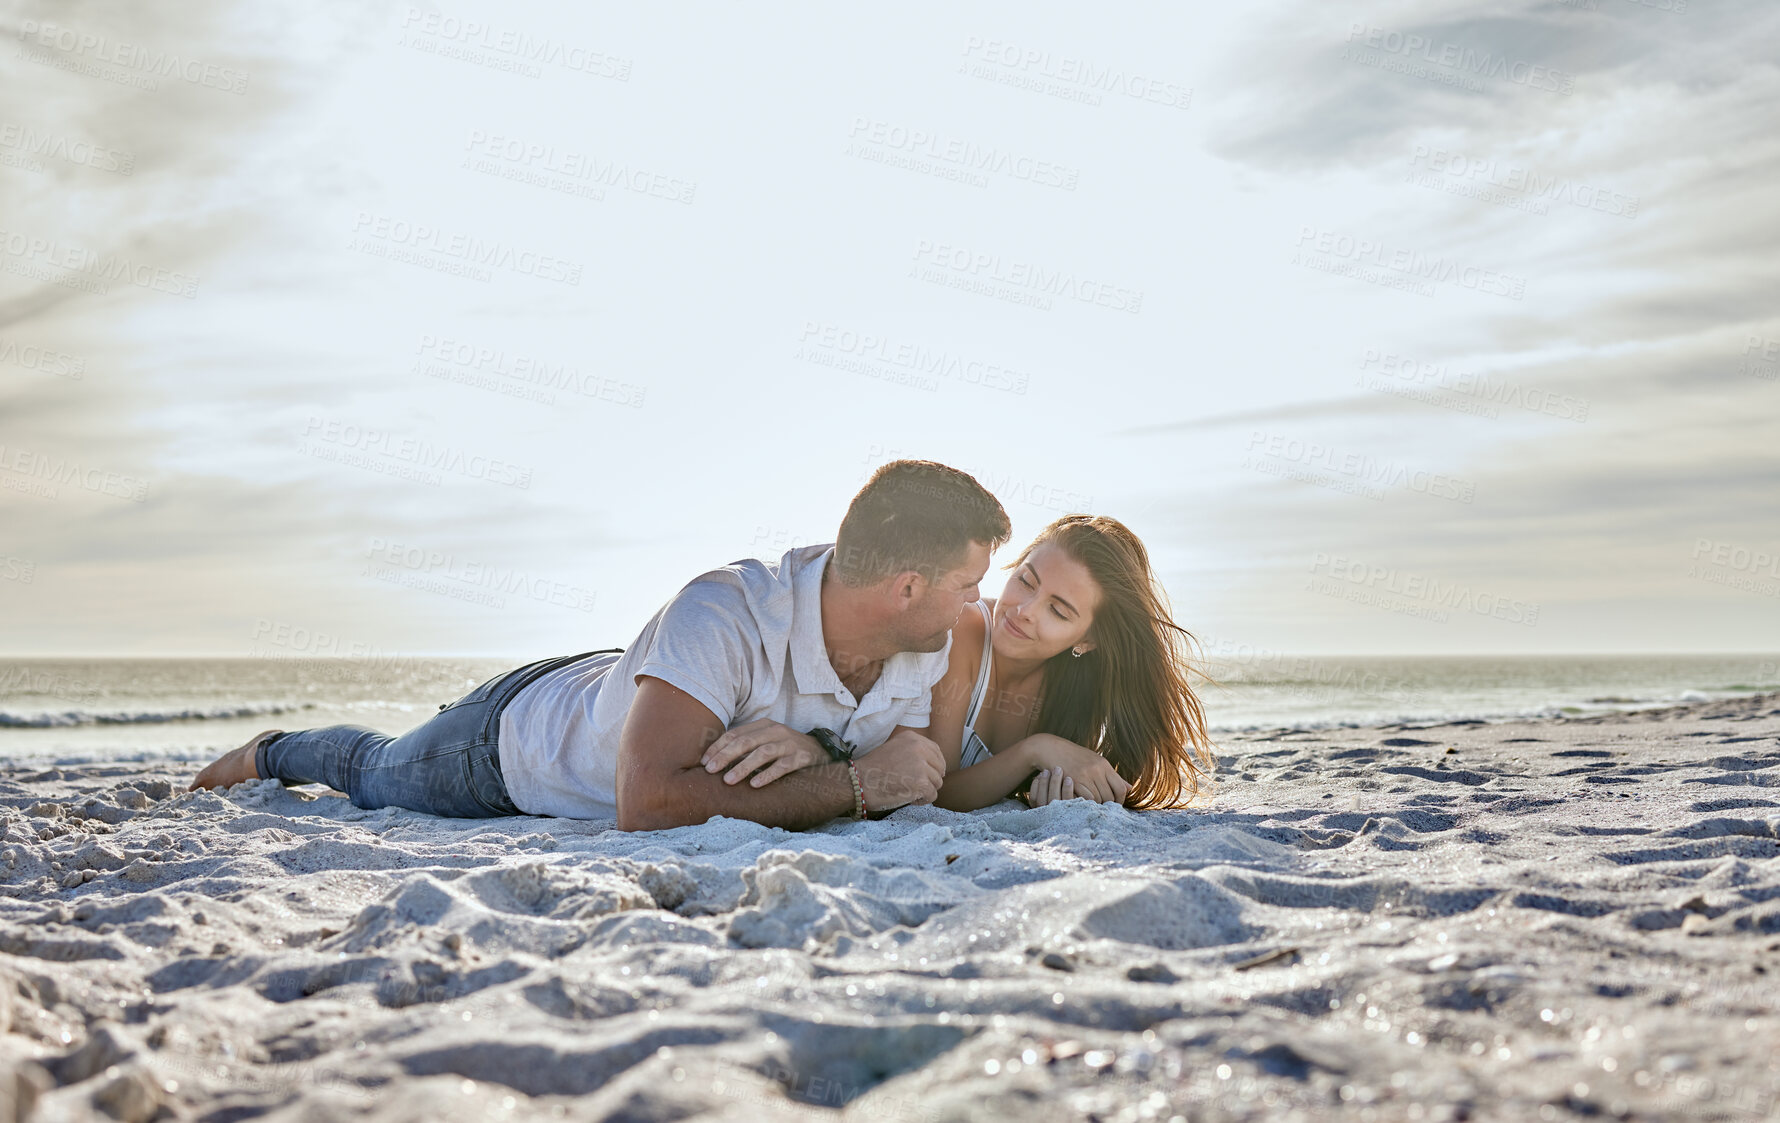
847, 640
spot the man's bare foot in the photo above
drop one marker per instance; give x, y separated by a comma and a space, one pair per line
233, 766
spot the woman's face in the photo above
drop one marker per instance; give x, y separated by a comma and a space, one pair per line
1047, 606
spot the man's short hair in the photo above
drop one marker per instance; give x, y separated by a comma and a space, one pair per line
919, 515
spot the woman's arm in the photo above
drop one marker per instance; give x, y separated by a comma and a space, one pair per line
951, 694
1010, 771
989, 781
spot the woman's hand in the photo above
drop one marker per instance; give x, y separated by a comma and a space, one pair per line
763, 748
1091, 775
1049, 786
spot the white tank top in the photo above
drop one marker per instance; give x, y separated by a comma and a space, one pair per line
975, 751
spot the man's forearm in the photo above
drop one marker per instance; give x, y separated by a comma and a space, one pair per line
806, 798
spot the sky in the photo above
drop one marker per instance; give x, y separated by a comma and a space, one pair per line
1444, 328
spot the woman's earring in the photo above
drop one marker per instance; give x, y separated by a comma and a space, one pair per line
1078, 652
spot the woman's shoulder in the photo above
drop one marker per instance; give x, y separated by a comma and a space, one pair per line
971, 625
967, 645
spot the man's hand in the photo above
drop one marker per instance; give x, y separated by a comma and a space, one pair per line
1092, 776
765, 749
908, 768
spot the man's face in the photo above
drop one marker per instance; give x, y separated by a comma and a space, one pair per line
937, 603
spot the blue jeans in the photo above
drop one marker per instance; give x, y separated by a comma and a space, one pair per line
448, 765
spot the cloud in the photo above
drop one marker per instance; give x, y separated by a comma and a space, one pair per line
1646, 319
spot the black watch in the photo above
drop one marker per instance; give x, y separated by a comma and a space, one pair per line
838, 750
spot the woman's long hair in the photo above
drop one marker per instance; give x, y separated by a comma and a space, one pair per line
1129, 699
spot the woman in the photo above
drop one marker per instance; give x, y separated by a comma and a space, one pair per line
1073, 684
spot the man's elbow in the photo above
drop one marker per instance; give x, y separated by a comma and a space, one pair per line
649, 804
633, 818
637, 811
637, 801
645, 817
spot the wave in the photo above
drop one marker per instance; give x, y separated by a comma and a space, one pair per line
70, 718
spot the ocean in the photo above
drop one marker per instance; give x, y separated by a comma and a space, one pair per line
79, 710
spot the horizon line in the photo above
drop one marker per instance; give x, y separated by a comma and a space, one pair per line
1251, 647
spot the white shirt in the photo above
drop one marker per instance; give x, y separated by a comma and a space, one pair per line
746, 642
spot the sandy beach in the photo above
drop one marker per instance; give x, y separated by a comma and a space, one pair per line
1526, 920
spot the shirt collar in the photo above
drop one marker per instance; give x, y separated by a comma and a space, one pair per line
809, 653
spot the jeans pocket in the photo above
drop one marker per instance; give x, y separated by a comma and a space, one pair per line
482, 779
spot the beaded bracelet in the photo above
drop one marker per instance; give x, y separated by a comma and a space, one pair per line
858, 791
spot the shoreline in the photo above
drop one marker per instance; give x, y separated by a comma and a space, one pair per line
254, 716
1485, 918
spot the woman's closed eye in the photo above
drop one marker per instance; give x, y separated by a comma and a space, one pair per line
1055, 611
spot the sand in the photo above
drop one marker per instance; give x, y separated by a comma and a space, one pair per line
1527, 920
